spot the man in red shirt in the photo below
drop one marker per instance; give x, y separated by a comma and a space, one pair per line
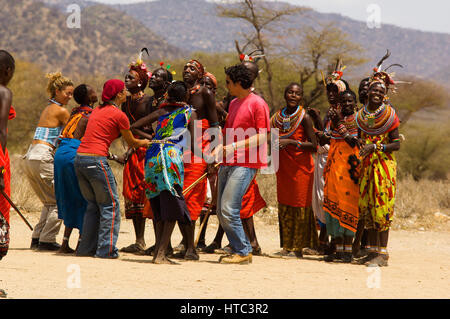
245, 151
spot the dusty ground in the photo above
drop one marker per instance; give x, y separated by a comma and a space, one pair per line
419, 267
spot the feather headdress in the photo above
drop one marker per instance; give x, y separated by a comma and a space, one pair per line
336, 76
382, 76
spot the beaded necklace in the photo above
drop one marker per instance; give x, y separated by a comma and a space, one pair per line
136, 97
156, 103
379, 121
287, 124
194, 90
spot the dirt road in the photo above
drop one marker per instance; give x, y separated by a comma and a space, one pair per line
419, 267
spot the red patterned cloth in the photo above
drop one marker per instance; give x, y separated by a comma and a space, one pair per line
196, 197
4, 204
252, 201
133, 183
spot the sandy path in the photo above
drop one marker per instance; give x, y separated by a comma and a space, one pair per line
419, 268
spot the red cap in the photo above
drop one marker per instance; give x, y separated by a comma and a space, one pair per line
111, 88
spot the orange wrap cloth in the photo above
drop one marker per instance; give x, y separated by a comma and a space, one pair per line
341, 193
252, 201
196, 197
295, 179
133, 183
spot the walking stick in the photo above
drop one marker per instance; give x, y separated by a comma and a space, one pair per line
15, 207
188, 189
205, 219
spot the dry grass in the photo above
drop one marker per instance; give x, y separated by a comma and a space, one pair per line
422, 205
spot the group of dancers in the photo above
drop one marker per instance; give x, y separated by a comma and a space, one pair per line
336, 178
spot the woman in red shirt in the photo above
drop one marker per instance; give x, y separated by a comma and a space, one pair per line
97, 183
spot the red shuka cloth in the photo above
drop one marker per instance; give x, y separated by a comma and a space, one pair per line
252, 201
134, 177
196, 197
4, 162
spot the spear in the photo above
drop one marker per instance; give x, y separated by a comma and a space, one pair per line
15, 207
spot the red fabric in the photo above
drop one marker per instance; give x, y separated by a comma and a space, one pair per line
197, 196
212, 77
4, 204
12, 113
295, 175
4, 163
252, 114
134, 177
148, 213
252, 201
111, 88
193, 171
103, 128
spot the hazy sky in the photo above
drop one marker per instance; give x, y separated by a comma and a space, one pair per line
430, 15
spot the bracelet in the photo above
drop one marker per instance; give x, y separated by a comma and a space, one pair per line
380, 147
215, 124
299, 144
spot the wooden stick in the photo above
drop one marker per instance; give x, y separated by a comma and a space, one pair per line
205, 219
187, 190
15, 207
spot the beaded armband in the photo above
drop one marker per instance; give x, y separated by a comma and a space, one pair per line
380, 147
299, 144
342, 130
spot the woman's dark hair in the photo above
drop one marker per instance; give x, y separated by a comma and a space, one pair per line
80, 94
348, 91
240, 73
291, 85
177, 92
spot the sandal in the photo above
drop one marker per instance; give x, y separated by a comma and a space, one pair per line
133, 249
210, 249
310, 252
147, 252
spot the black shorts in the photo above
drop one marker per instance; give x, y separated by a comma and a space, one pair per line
168, 207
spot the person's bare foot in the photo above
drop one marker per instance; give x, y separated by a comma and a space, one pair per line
256, 251
164, 261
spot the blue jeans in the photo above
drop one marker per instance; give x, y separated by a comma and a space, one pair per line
102, 217
233, 182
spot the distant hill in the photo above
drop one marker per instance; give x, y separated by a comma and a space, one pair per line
193, 25
106, 42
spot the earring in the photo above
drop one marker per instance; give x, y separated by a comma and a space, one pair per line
139, 84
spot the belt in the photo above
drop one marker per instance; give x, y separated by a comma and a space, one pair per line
90, 154
42, 142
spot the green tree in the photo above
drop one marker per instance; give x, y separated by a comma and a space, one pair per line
314, 54
261, 16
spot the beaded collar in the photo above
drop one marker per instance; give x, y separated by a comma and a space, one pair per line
288, 124
382, 120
